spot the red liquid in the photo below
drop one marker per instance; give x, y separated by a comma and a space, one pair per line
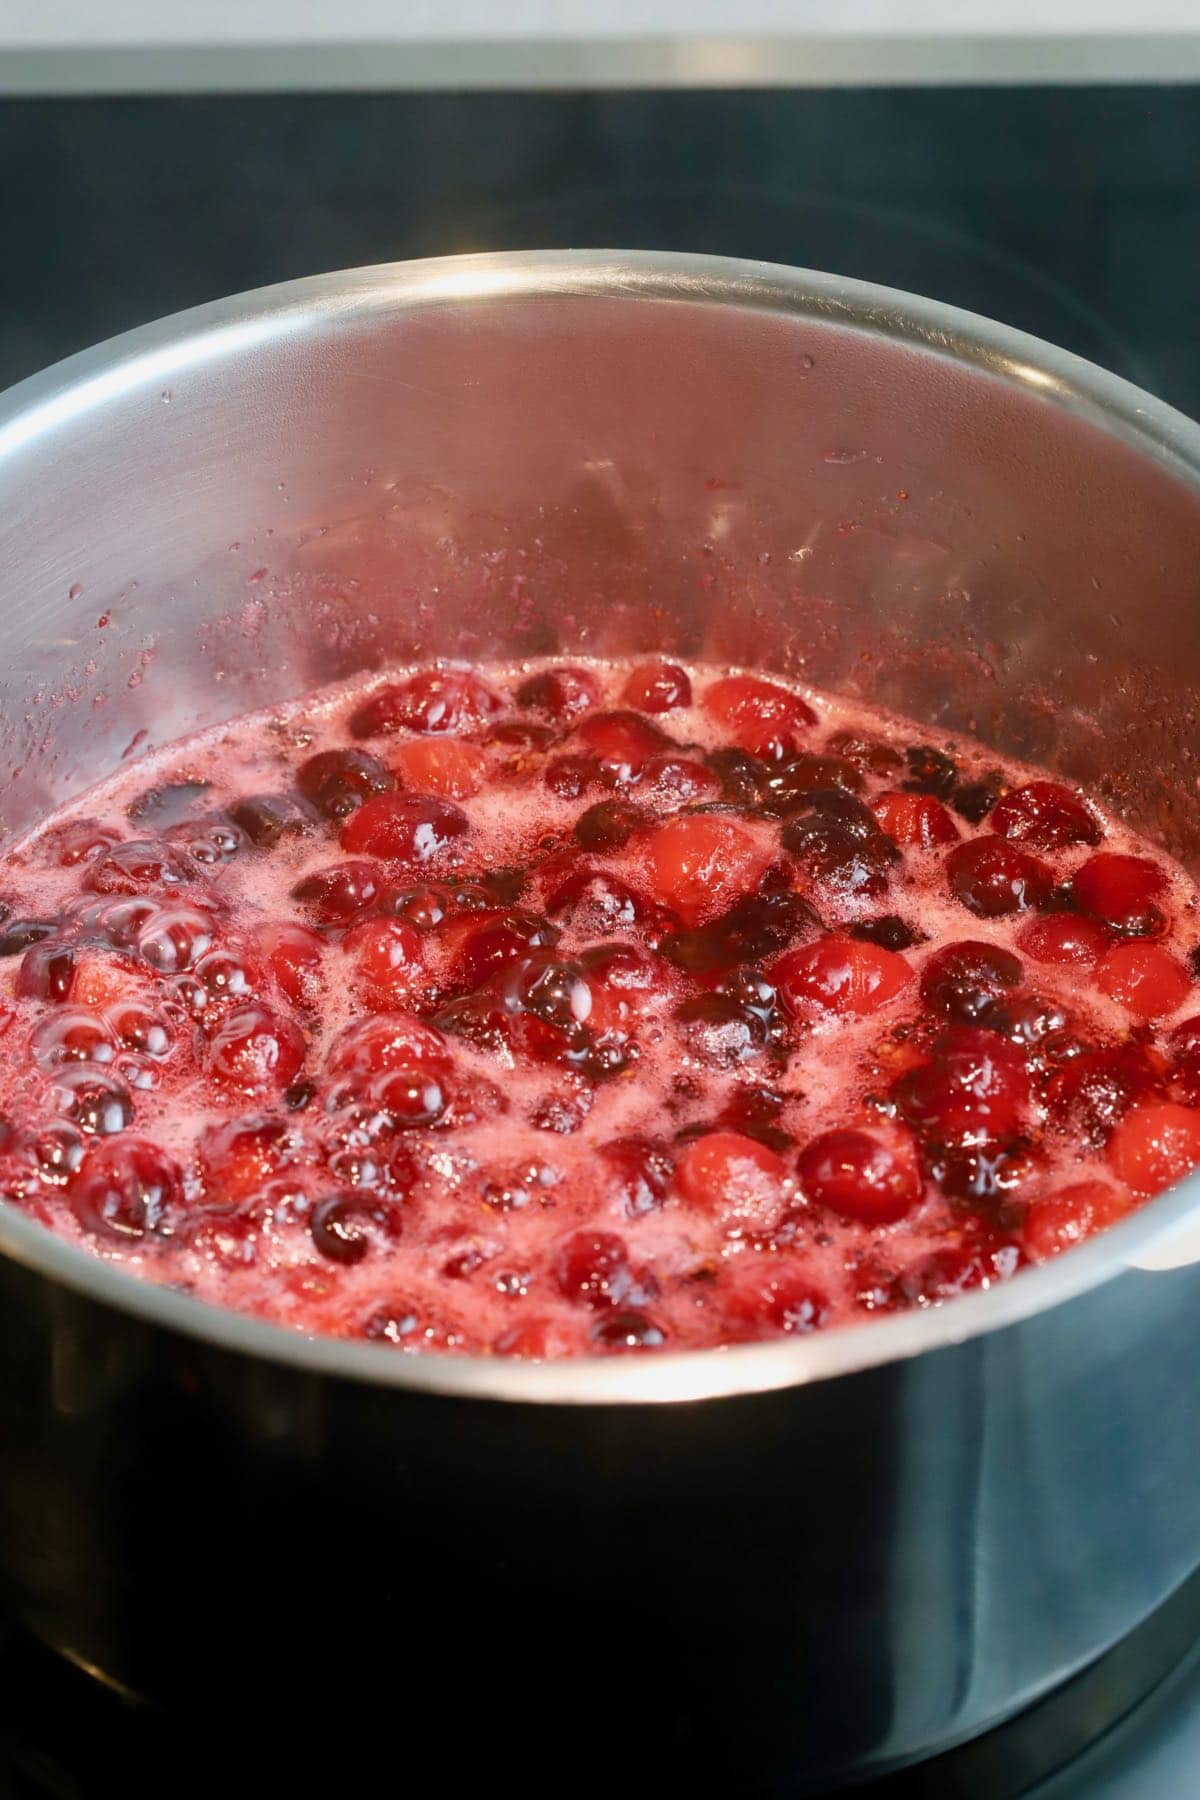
549, 1011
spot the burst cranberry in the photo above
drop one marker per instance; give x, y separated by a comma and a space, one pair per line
593, 1267
638, 1173
1121, 890
657, 687
336, 895
1055, 1221
405, 828
562, 694
1045, 816
860, 1176
1095, 1089
495, 943
141, 866
784, 787
766, 720
733, 1179
622, 743
444, 767
1144, 978
1068, 940
991, 877
293, 955
914, 821
962, 981
237, 1156
1154, 1146
571, 776
701, 865
388, 1041
254, 1050
669, 781
975, 1086
338, 781
840, 842
128, 1188
433, 700
609, 825
752, 930
840, 975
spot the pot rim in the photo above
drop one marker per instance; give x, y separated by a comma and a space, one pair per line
52, 401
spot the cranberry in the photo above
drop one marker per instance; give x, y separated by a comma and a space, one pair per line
406, 828
454, 700
238, 1156
1056, 1221
593, 1267
47, 971
767, 720
255, 1049
444, 767
930, 771
56, 1151
595, 898
991, 878
1065, 939
979, 1261
79, 841
139, 1027
975, 1086
744, 778
657, 687
337, 1225
867, 754
840, 841
562, 694
410, 1097
1155, 1145
336, 895
140, 866
627, 1331
622, 743
268, 818
888, 931
721, 1030
1046, 816
19, 934
570, 776
226, 974
860, 1176
915, 821
733, 1179
174, 938
752, 930
840, 975
962, 981
387, 1041
784, 787
500, 940
127, 1188
638, 1172
609, 825
670, 781
71, 1035
338, 781
1144, 978
1120, 890
96, 1101
1092, 1092
386, 957
557, 993
775, 1300
701, 865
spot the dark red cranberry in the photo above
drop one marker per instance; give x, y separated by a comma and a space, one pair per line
337, 1225
497, 942
97, 1102
18, 935
128, 1188
639, 1170
609, 825
255, 1049
974, 800
975, 1086
266, 818
979, 1174
930, 771
599, 899
889, 932
571, 776
991, 877
839, 841
1046, 816
627, 1331
523, 736
432, 700
867, 754
1027, 1019
622, 743
336, 895
1093, 1092
593, 1267
787, 785
141, 866
981, 1260
961, 981
338, 781
47, 971
406, 828
562, 694
657, 687
721, 1030
167, 805
751, 931
743, 777
754, 1112
861, 1176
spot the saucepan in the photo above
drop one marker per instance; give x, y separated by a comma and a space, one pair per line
770, 1569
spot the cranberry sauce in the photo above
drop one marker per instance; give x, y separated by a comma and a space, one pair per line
560, 1010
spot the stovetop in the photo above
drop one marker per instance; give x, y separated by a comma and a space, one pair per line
1073, 213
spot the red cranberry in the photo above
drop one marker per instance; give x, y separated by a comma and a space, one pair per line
1144, 978
340, 893
387, 1041
570, 776
700, 865
410, 1097
962, 981
622, 743
337, 1225
992, 878
596, 899
669, 781
338, 781
406, 828
593, 1267
255, 1049
139, 1027
454, 700
497, 942
767, 720
1056, 1221
1120, 890
975, 1086
1094, 1090
238, 1156
96, 1101
915, 821
443, 767
1065, 939
225, 974
840, 975
774, 1299
268, 818
174, 938
732, 1178
562, 694
141, 866
860, 1176
657, 687
128, 1188
386, 958
627, 1331
638, 1170
1155, 1145
47, 971
72, 1035
1046, 816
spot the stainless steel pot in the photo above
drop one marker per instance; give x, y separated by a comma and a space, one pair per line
783, 1565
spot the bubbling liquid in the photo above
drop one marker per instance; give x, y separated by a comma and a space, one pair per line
552, 1010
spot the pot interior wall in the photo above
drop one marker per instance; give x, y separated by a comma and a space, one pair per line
295, 496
